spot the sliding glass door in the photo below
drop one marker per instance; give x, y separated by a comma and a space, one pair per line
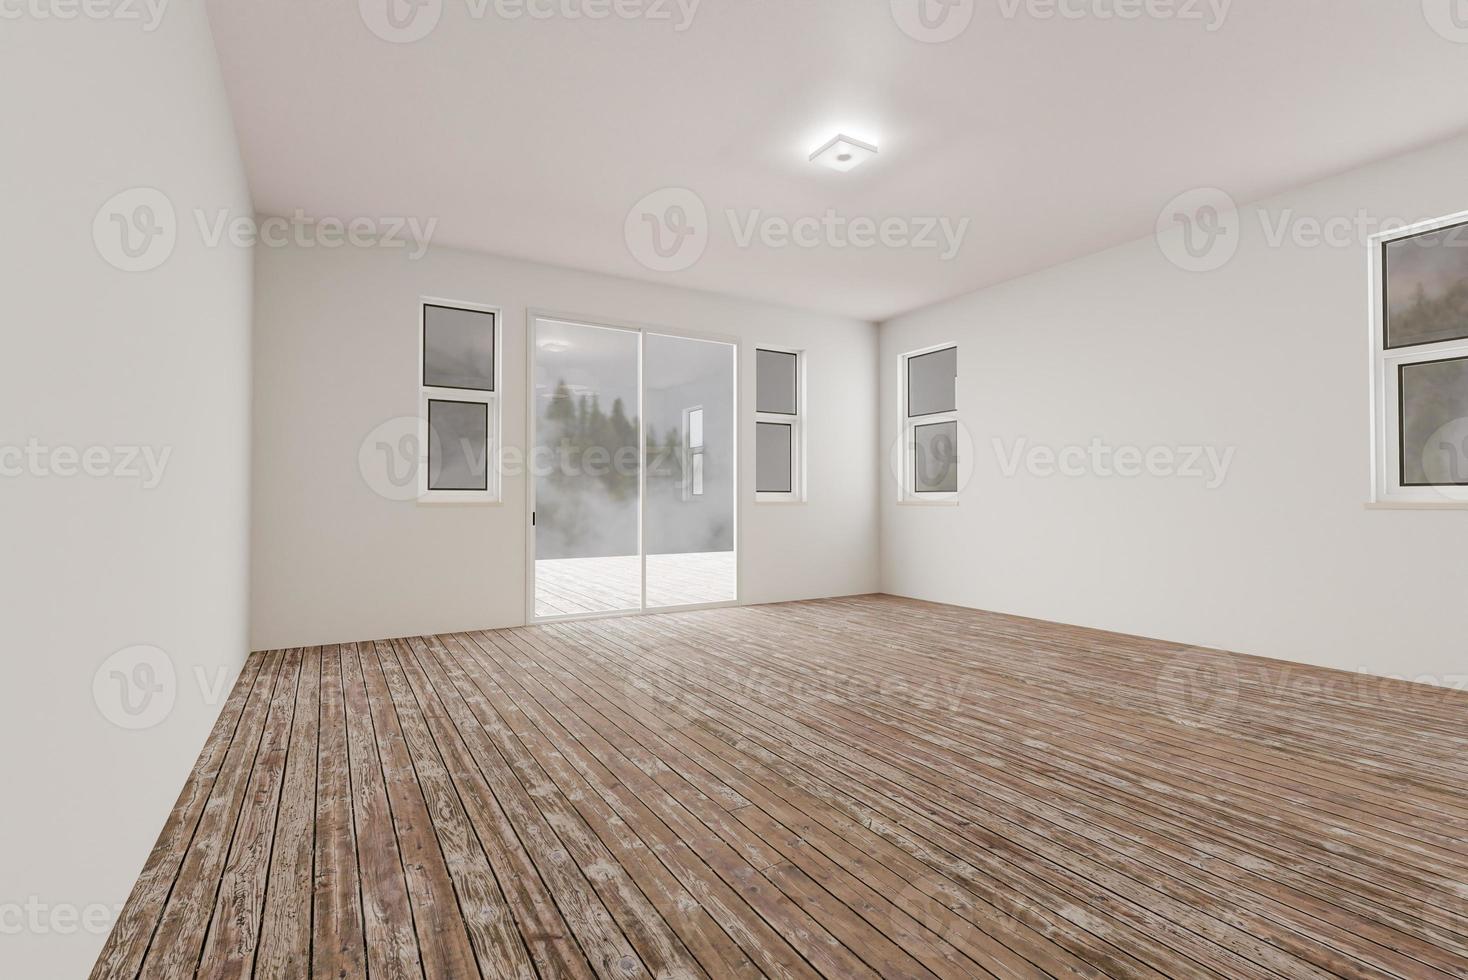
633, 470
688, 516
587, 469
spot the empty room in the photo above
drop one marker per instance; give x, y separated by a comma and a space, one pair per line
683, 489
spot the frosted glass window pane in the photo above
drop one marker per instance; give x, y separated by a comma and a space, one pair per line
932, 383
1434, 421
1427, 287
772, 457
458, 439
458, 348
588, 459
775, 382
935, 458
688, 517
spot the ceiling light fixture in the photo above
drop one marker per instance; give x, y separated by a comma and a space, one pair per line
844, 153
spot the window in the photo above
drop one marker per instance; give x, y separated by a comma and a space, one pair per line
693, 453
773, 457
930, 425
779, 425
458, 402
1419, 355
456, 431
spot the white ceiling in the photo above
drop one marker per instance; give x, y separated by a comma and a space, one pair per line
1055, 138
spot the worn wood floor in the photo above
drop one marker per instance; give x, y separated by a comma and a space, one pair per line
848, 788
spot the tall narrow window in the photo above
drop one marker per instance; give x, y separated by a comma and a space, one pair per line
693, 453
779, 425
458, 402
1420, 364
930, 425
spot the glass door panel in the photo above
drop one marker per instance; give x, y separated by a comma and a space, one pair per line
587, 469
689, 512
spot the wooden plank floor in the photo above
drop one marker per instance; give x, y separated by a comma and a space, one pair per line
847, 788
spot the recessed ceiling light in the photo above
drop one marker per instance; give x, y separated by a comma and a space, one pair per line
844, 153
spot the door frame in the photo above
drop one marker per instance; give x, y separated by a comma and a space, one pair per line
644, 330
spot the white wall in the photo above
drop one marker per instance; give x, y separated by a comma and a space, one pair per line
1266, 355
336, 355
98, 357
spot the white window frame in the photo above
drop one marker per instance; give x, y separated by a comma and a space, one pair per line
796, 493
907, 483
1386, 454
490, 399
692, 488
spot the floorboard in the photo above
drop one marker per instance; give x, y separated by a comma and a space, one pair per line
860, 787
